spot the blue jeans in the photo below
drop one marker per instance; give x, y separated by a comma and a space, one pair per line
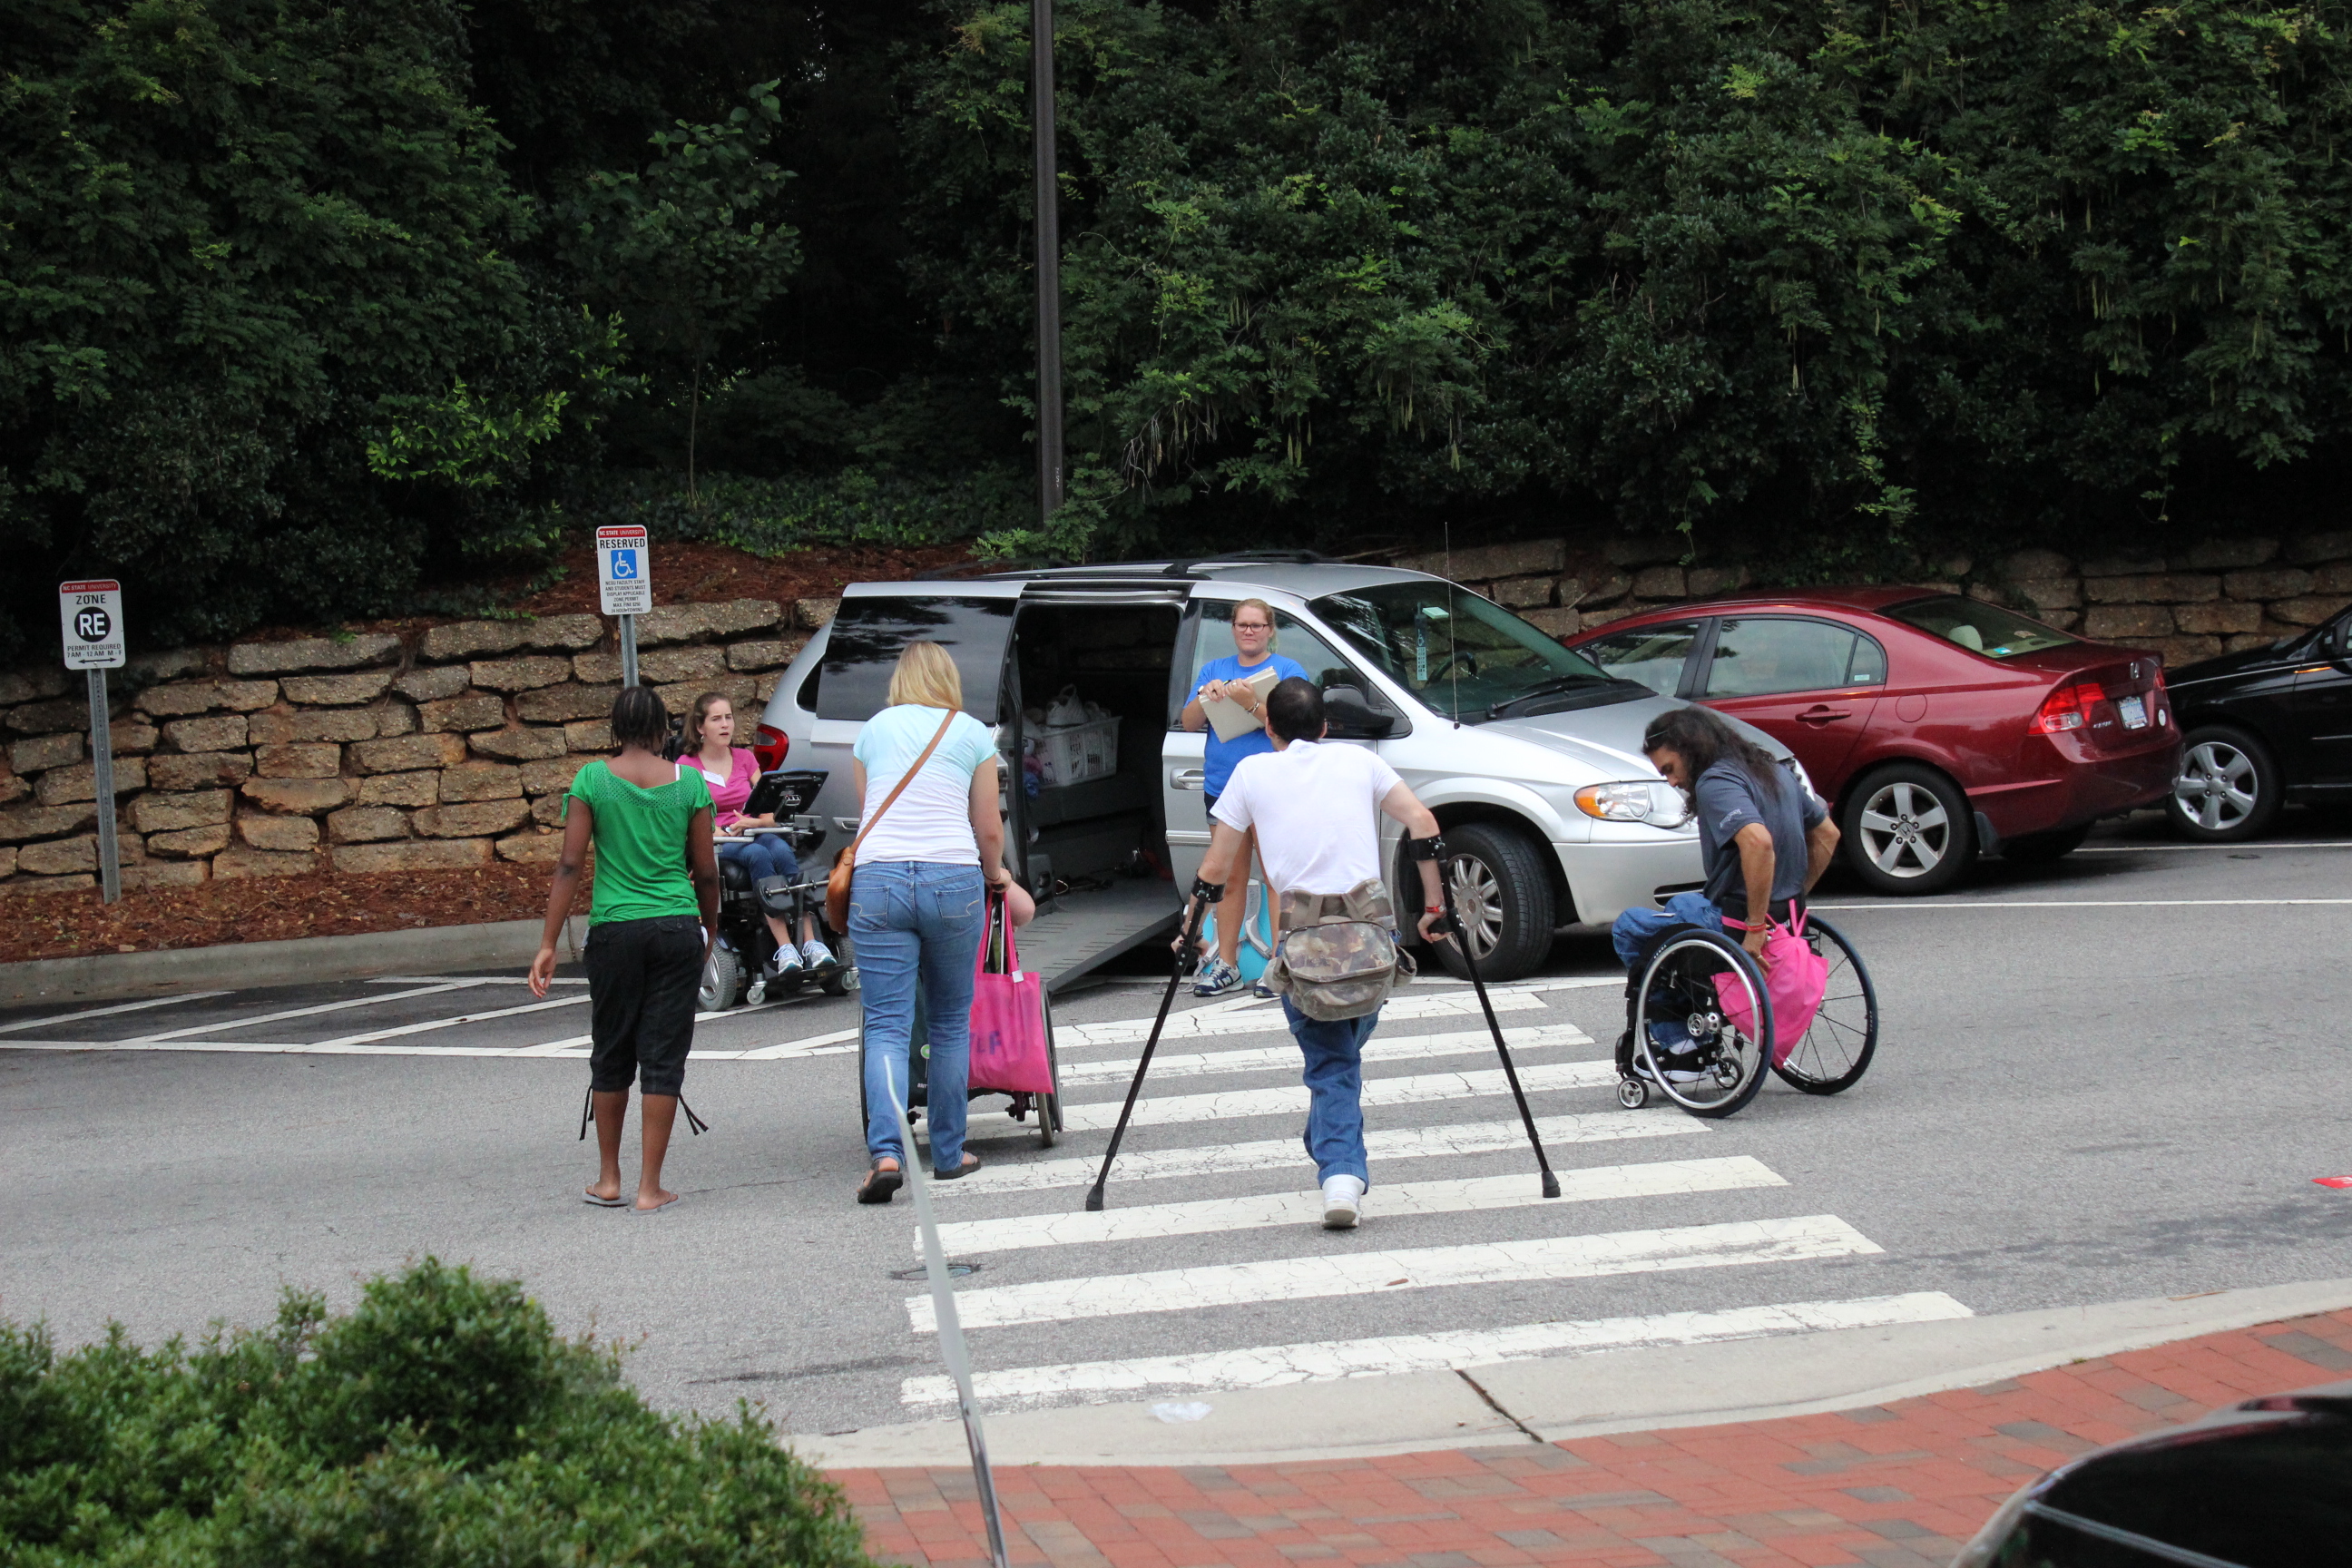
1636, 928
915, 922
764, 854
1335, 1088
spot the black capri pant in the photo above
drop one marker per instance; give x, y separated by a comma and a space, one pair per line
643, 977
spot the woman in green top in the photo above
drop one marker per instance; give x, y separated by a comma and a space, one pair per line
649, 932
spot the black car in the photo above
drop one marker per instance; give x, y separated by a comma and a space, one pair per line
2267, 1484
2261, 727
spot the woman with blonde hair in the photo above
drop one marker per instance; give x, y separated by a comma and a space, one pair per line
930, 845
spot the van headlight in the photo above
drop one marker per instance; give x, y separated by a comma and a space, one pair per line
1652, 801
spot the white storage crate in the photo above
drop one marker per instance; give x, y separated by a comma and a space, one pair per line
1076, 753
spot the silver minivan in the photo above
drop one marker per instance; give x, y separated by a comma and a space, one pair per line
1530, 754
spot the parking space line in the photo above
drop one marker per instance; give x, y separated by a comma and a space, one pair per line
449, 1023
104, 1012
2078, 903
465, 979
2240, 845
300, 1012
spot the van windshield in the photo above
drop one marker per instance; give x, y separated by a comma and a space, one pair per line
1463, 656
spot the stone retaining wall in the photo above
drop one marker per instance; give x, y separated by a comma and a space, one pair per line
2211, 598
452, 747
446, 748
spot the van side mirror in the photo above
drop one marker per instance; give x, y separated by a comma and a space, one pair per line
1353, 717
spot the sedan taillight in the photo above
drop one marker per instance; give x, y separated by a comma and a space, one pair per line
2068, 708
770, 746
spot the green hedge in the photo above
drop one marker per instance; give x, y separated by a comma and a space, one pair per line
442, 1423
855, 506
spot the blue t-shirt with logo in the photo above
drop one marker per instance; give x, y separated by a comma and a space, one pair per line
1224, 754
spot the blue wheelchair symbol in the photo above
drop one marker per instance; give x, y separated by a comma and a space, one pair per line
625, 565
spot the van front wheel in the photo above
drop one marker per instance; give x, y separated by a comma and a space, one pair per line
1503, 897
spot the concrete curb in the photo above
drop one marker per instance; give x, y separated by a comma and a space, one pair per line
1581, 1396
115, 977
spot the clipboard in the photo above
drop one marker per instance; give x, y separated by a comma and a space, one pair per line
1230, 719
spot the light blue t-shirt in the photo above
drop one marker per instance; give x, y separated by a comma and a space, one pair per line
932, 821
1224, 754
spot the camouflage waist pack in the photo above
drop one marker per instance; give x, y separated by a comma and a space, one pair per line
1337, 955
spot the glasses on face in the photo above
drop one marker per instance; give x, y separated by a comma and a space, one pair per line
1253, 625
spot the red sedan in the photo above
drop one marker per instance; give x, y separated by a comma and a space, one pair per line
1938, 727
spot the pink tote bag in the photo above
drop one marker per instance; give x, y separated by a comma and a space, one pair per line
1795, 977
1008, 1015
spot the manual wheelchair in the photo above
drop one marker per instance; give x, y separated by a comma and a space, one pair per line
1701, 987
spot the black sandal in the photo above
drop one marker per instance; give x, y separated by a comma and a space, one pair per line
880, 1185
970, 1164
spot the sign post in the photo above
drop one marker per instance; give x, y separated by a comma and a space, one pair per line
90, 615
624, 587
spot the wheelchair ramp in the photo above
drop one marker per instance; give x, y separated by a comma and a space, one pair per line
1083, 930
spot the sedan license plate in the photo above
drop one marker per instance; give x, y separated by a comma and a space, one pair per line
2135, 713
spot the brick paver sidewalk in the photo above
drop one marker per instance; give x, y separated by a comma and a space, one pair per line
1892, 1485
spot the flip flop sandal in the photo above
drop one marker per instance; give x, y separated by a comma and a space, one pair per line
970, 1164
604, 1203
880, 1185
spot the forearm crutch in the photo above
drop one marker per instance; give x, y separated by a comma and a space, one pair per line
1433, 849
1203, 895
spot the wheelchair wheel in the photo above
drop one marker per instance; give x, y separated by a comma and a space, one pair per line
1704, 986
722, 977
1049, 1106
1836, 1051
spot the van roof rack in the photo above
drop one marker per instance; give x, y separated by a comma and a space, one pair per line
1247, 557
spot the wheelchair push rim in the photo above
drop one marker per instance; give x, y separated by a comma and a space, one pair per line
1687, 984
1837, 1050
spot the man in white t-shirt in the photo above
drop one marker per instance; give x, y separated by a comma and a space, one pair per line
1316, 810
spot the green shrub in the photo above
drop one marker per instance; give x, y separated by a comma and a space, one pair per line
855, 506
441, 1423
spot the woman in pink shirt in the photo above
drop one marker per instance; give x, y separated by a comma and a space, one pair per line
730, 773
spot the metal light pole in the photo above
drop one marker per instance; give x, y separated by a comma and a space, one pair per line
1049, 260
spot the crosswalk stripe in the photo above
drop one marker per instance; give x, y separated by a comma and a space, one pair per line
1325, 1360
1379, 1048
1283, 1154
1791, 1240
1267, 1020
1291, 1100
1592, 1183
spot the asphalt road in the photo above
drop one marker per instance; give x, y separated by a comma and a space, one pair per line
2110, 1078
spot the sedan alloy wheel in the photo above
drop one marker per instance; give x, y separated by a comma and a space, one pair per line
2228, 788
1905, 831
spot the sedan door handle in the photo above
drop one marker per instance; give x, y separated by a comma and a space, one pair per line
1188, 778
1819, 715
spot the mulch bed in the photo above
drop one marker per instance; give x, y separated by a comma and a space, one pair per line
267, 908
690, 573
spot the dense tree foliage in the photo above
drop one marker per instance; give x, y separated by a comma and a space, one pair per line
306, 311
1871, 274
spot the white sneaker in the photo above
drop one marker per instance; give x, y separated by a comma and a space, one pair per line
1342, 1197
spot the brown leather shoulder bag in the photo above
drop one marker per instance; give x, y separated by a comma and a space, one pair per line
845, 865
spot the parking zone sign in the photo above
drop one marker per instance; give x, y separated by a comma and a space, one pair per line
625, 581
91, 614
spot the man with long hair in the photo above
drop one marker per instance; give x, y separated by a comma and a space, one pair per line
1764, 838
